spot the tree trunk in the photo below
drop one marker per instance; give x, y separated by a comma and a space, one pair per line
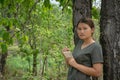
3, 58
4, 55
35, 64
110, 38
3, 62
33, 45
43, 67
81, 8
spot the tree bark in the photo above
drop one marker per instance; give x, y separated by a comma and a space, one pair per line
4, 55
3, 58
3, 62
110, 38
81, 8
32, 43
35, 64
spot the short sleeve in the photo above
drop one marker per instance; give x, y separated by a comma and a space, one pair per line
97, 55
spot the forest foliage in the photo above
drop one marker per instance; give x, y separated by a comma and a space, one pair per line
33, 33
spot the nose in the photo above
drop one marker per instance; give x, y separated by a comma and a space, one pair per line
81, 31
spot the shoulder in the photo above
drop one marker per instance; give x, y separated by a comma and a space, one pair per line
97, 45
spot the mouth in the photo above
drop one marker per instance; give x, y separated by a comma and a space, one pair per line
82, 35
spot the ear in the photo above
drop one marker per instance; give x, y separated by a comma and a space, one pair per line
93, 29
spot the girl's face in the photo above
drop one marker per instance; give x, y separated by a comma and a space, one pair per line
84, 31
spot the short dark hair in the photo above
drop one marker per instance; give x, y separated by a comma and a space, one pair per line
87, 21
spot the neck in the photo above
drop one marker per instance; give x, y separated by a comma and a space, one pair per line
88, 40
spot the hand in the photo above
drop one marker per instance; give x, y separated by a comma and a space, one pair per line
64, 50
71, 61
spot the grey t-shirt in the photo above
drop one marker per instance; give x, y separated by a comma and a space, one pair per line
87, 56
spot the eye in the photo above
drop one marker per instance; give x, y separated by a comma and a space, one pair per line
85, 28
78, 28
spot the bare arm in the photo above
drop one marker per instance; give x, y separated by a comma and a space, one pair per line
96, 70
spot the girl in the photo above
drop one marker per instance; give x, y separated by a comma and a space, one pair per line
87, 56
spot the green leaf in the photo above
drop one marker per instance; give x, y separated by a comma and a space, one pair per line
4, 47
1, 1
25, 38
35, 51
47, 4
6, 36
95, 13
1, 32
10, 41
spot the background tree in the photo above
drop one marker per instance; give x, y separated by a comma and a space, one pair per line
5, 34
37, 31
81, 8
110, 38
